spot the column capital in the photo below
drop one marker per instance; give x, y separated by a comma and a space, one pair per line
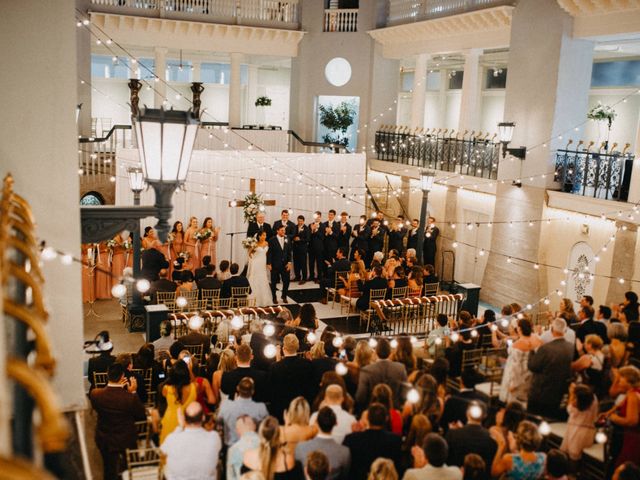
161, 50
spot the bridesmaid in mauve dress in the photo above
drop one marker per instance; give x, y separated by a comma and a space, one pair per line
190, 241
208, 246
117, 260
102, 273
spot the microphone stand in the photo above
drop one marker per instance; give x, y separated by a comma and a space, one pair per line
231, 234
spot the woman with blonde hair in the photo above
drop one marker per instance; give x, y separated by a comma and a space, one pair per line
226, 364
296, 424
382, 469
271, 458
363, 356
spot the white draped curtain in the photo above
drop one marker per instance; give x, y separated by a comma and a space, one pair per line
301, 182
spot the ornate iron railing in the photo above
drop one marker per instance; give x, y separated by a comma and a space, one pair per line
476, 156
595, 174
409, 11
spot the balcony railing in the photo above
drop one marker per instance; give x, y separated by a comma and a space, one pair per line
595, 174
341, 20
268, 13
97, 156
408, 11
478, 157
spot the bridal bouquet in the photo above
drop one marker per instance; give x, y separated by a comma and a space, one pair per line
602, 112
253, 204
203, 234
184, 255
250, 244
127, 244
171, 237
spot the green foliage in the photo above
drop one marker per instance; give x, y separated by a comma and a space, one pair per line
338, 118
263, 102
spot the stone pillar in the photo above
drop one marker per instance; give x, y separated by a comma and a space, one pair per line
623, 262
471, 87
160, 92
83, 65
252, 94
235, 90
419, 91
634, 189
405, 195
447, 234
195, 72
442, 99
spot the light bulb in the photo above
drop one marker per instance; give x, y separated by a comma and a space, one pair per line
181, 302
544, 428
118, 291
474, 333
268, 330
438, 341
233, 203
311, 337
494, 327
261, 208
413, 396
48, 254
373, 343
143, 285
601, 437
337, 341
196, 322
393, 343
270, 351
237, 322
504, 322
455, 336
66, 259
413, 339
341, 369
475, 412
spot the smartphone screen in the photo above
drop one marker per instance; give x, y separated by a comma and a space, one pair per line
232, 339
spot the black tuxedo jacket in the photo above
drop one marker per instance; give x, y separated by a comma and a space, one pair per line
360, 235
231, 379
209, 283
343, 237
412, 239
375, 283
200, 273
471, 439
278, 257
289, 378
99, 364
300, 239
254, 229
368, 445
342, 265
162, 285
396, 239
152, 262
591, 326
316, 242
233, 281
289, 229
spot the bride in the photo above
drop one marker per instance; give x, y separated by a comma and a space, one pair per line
257, 273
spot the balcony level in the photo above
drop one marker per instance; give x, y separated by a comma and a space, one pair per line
410, 11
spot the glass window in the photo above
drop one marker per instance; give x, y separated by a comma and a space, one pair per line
221, 72
625, 73
433, 80
147, 68
455, 79
104, 66
495, 78
179, 73
406, 81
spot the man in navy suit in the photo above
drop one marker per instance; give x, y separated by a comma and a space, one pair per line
290, 227
279, 262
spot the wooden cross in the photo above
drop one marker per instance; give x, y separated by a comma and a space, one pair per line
252, 189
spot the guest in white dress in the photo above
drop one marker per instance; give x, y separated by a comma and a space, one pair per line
257, 273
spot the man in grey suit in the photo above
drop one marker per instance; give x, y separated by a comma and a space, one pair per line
383, 371
339, 456
551, 368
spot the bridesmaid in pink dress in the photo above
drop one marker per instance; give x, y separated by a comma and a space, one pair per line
208, 246
176, 237
102, 273
190, 241
117, 260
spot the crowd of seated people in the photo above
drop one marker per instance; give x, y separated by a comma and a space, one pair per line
381, 409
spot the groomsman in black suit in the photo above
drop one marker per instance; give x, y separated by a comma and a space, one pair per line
258, 225
290, 227
376, 240
412, 235
330, 230
316, 248
344, 233
279, 263
301, 237
397, 234
430, 245
360, 234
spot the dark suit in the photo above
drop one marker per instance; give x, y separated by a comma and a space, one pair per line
455, 408
289, 378
289, 230
330, 241
589, 327
209, 283
471, 438
396, 240
300, 240
360, 234
257, 344
430, 246
152, 262
551, 367
231, 282
375, 283
278, 257
117, 410
342, 265
99, 364
366, 446
316, 253
162, 285
376, 244
231, 379
344, 236
412, 239
254, 228
382, 371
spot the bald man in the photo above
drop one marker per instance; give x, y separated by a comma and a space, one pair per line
333, 398
192, 452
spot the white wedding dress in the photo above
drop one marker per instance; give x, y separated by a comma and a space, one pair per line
258, 276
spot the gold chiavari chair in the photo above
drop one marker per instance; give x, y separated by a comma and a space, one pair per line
375, 295
240, 297
168, 299
100, 379
195, 350
337, 283
210, 298
143, 464
431, 289
348, 300
192, 300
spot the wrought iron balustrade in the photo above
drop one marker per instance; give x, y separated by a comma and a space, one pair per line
474, 156
409, 11
594, 174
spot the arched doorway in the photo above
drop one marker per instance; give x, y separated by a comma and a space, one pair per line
92, 198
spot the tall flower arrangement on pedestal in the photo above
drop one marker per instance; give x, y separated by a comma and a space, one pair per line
262, 103
253, 204
603, 113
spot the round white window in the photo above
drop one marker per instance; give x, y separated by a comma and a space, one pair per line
338, 71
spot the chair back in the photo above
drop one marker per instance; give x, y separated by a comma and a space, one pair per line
192, 300
431, 289
414, 292
240, 296
377, 294
471, 358
195, 350
209, 297
100, 379
168, 299
144, 463
336, 278
144, 433
399, 292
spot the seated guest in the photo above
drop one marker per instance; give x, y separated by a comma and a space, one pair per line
196, 337
163, 284
231, 410
333, 399
397, 280
117, 411
383, 370
231, 379
100, 363
209, 280
430, 275
429, 461
233, 281
415, 279
325, 443
357, 272
248, 440
341, 264
201, 272
589, 326
456, 406
441, 332
527, 462
374, 442
186, 283
472, 438
557, 465
316, 466
191, 452
376, 283
223, 270
163, 344
176, 275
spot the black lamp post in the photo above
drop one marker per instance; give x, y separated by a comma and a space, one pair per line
426, 183
136, 184
505, 133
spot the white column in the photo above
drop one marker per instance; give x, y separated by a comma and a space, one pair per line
419, 91
634, 189
160, 67
235, 90
252, 94
442, 99
471, 87
195, 73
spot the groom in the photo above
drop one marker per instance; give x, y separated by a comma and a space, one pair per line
279, 262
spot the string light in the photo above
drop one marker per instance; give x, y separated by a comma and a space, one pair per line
48, 254
269, 330
270, 351
119, 290
413, 396
196, 322
341, 369
236, 322
181, 302
143, 285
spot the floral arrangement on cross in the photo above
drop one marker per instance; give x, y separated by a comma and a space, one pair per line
252, 205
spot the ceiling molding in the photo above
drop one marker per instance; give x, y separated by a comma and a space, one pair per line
587, 8
603, 18
487, 28
190, 35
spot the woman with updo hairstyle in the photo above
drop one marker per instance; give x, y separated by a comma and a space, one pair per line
527, 463
383, 469
382, 394
271, 458
516, 377
363, 356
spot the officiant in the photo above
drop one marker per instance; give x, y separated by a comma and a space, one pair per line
258, 225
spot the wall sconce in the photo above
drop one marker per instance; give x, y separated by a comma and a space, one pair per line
505, 133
